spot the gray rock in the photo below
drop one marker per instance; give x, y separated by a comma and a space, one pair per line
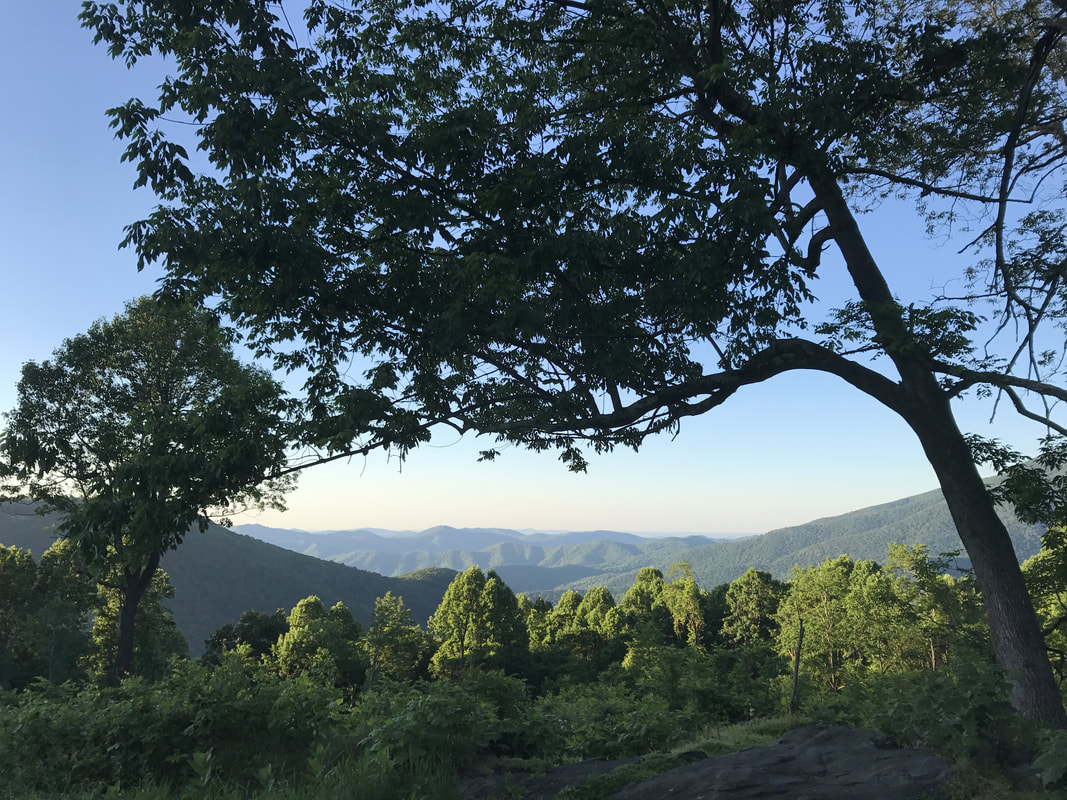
810, 763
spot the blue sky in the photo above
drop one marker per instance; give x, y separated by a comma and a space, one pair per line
794, 449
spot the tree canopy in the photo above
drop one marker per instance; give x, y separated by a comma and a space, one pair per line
135, 431
575, 221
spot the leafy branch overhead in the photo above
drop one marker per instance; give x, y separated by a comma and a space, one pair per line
573, 222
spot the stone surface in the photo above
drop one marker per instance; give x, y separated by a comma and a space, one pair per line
810, 763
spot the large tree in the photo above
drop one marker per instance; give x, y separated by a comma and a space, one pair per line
568, 221
135, 431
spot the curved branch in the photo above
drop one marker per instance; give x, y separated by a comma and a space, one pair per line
927, 188
681, 400
999, 379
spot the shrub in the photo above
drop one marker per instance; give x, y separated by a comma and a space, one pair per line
610, 721
964, 715
91, 738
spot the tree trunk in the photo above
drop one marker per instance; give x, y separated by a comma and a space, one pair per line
134, 588
124, 649
1014, 631
924, 405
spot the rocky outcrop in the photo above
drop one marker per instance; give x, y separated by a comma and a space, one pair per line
810, 763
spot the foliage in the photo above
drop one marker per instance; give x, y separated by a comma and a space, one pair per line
1046, 580
127, 432
964, 715
608, 720
157, 640
1052, 762
713, 685
752, 601
92, 738
18, 573
477, 624
861, 619
44, 610
582, 222
816, 600
395, 647
253, 636
322, 644
449, 726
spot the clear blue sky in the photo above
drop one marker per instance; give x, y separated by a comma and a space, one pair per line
795, 449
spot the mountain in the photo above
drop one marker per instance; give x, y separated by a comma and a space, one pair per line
218, 574
549, 564
863, 534
345, 545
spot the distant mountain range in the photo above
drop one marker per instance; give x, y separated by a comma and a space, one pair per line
220, 573
549, 564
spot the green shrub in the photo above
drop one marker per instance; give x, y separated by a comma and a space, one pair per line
439, 725
1051, 762
91, 738
610, 721
963, 715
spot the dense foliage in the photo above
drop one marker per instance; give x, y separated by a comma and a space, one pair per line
562, 223
309, 696
128, 433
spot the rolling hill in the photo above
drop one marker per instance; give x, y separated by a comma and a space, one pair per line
548, 564
218, 574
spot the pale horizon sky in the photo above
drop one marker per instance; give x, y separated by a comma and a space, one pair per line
797, 448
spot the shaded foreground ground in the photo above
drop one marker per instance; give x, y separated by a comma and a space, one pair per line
813, 762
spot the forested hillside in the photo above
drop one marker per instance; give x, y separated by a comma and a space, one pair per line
534, 566
218, 574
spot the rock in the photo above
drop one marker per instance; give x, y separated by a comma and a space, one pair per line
538, 787
810, 763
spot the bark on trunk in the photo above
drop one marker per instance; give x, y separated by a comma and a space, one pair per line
136, 584
1016, 638
1013, 627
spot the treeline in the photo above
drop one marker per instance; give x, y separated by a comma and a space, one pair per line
900, 646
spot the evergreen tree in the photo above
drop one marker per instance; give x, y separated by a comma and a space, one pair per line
322, 644
752, 601
395, 647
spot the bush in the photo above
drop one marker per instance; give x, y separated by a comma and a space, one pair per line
89, 739
447, 725
610, 721
964, 715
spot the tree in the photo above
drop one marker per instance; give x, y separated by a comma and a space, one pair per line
816, 598
1046, 577
752, 601
478, 623
396, 647
44, 615
321, 643
255, 633
156, 640
572, 221
18, 573
67, 599
138, 429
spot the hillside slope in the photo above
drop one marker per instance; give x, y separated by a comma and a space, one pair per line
861, 534
218, 574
